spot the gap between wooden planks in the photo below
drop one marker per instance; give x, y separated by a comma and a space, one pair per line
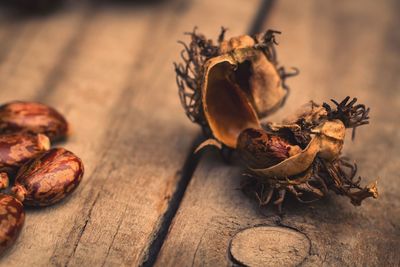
109, 69
342, 48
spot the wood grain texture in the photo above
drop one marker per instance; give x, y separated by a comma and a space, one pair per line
342, 48
110, 72
33, 49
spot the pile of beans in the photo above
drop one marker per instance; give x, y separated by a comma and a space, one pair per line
31, 172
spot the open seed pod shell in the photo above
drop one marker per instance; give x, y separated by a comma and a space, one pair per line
231, 85
327, 143
237, 89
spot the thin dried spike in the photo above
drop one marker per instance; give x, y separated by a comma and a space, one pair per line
350, 114
352, 102
269, 195
185, 46
344, 102
307, 201
322, 182
298, 195
269, 36
292, 190
335, 102
306, 187
327, 107
258, 198
344, 162
281, 193
295, 72
353, 166
333, 173
221, 36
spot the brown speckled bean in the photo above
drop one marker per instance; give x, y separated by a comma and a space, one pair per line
34, 118
48, 178
12, 217
16, 149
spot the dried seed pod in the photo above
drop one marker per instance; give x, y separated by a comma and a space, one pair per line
16, 149
32, 117
320, 131
48, 178
228, 87
12, 217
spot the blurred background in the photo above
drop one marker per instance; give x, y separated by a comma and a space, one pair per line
107, 65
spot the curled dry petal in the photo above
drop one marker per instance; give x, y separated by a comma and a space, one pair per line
33, 118
369, 191
332, 134
48, 178
12, 217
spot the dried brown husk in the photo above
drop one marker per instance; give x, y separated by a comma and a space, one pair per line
319, 166
230, 86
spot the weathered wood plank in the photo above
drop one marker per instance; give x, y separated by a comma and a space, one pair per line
342, 48
115, 88
34, 47
146, 147
86, 92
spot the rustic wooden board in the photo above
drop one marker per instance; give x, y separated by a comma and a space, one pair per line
33, 48
342, 48
109, 70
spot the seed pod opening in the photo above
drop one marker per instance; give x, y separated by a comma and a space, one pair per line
48, 178
293, 165
12, 217
32, 117
258, 149
229, 87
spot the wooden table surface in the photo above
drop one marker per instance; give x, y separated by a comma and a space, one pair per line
145, 200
